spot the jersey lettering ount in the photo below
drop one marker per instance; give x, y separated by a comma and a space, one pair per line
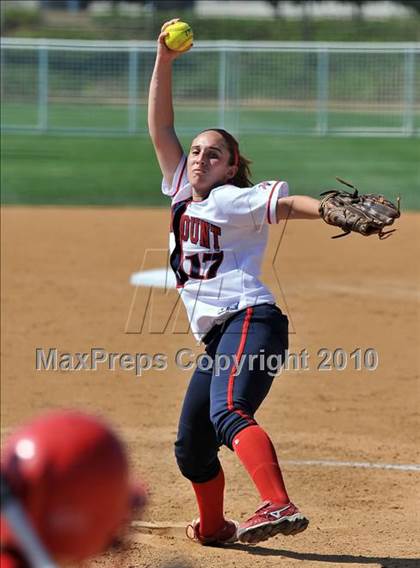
217, 246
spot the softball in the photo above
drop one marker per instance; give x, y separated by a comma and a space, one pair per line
180, 36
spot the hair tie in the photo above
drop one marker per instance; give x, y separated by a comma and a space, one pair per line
235, 155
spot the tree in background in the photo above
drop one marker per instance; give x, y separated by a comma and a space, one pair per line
158, 5
174, 5
358, 9
414, 4
357, 5
276, 5
163, 5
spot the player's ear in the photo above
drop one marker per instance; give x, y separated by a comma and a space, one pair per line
231, 172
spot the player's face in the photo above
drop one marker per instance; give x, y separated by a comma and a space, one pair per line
208, 162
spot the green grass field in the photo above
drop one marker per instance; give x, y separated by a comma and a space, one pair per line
75, 170
197, 115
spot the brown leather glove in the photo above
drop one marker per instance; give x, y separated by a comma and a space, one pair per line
365, 214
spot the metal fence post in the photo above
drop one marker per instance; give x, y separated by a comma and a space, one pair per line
408, 118
233, 75
322, 91
2, 71
132, 90
222, 87
43, 88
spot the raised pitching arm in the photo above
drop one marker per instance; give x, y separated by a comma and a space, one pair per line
167, 147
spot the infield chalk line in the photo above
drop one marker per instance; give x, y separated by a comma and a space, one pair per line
157, 277
365, 465
323, 463
164, 278
164, 526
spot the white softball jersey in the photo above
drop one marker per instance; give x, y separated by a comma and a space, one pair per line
217, 246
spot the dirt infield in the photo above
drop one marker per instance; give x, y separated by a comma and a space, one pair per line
65, 284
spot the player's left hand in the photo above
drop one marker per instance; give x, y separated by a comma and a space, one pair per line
163, 52
365, 214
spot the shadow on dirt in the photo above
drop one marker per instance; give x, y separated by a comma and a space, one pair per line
382, 562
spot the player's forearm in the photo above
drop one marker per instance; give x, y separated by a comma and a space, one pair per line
160, 108
297, 207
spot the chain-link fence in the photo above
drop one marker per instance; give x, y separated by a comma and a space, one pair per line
308, 88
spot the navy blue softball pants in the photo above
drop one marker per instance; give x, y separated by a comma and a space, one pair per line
221, 401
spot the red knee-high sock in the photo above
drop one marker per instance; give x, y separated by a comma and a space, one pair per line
257, 453
210, 503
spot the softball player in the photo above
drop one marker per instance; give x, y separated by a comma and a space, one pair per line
218, 235
65, 491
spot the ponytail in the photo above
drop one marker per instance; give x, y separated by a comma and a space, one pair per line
242, 178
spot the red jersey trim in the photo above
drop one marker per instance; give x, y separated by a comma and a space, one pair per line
269, 203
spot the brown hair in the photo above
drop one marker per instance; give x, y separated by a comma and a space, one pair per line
243, 175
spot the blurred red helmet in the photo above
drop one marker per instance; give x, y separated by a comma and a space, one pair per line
70, 473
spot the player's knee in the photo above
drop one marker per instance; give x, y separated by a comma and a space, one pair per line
184, 460
196, 462
227, 423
